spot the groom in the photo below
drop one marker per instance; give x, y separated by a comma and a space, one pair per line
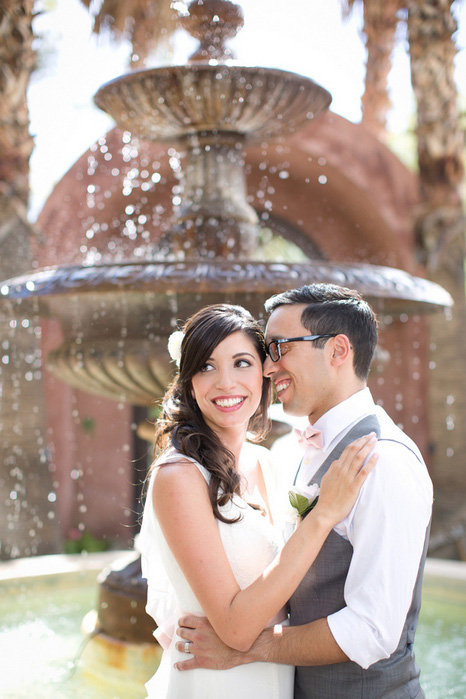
354, 616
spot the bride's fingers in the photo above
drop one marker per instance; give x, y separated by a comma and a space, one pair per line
354, 455
364, 471
364, 451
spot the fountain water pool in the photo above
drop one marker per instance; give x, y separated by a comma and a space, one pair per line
42, 643
46, 621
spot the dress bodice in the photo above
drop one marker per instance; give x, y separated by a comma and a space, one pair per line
251, 544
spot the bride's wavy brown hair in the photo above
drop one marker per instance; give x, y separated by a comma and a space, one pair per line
182, 424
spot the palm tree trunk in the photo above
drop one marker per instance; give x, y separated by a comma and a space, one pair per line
440, 227
27, 522
380, 22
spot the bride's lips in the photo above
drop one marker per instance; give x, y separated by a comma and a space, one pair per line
228, 404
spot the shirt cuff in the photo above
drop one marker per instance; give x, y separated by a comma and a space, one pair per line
357, 639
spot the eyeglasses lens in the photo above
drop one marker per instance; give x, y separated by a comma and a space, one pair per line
274, 351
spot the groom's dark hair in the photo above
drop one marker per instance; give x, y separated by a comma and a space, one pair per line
332, 309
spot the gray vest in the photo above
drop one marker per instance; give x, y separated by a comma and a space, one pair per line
321, 593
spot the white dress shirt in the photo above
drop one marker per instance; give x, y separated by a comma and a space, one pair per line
386, 527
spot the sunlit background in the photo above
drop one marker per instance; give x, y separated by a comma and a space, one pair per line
311, 38
47, 607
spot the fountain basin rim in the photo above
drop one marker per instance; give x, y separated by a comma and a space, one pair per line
175, 115
198, 276
202, 67
58, 564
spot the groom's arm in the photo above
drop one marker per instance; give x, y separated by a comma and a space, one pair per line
309, 644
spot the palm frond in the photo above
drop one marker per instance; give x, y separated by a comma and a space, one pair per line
146, 23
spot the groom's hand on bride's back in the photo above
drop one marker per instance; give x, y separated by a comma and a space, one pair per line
207, 649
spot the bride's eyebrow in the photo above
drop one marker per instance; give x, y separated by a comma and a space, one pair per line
235, 356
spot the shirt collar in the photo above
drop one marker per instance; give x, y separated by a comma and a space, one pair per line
344, 414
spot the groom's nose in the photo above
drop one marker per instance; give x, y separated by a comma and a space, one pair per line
269, 368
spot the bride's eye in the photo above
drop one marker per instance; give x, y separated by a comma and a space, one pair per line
241, 363
206, 367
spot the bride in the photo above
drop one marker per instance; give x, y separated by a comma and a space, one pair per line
208, 541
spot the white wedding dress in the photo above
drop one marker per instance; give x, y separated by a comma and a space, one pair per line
251, 544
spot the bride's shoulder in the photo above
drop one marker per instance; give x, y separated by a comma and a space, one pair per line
173, 465
171, 456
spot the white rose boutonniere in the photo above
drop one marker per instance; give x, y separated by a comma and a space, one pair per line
302, 501
174, 346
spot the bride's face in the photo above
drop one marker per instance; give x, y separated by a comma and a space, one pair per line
228, 387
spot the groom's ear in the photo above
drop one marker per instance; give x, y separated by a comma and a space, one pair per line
340, 350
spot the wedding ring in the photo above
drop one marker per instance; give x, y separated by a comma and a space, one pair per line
186, 646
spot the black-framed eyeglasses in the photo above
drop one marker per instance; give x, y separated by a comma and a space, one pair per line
273, 348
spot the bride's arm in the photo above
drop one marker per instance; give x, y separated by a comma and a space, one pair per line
183, 508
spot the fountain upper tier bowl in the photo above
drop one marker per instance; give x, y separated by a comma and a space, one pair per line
116, 318
173, 102
390, 290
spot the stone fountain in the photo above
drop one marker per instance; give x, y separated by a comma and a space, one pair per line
116, 315
211, 109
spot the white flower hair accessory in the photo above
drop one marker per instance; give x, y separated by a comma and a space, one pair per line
174, 346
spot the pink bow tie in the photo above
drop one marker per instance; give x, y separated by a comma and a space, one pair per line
310, 437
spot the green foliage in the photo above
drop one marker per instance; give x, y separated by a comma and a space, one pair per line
153, 412
84, 541
301, 503
88, 425
404, 146
275, 248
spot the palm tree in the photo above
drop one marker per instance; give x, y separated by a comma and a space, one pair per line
440, 228
25, 480
380, 23
439, 223
147, 23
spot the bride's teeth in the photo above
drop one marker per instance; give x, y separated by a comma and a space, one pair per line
229, 402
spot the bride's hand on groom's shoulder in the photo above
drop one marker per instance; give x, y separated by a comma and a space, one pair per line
341, 484
205, 647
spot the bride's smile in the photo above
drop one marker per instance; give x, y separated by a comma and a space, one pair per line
228, 387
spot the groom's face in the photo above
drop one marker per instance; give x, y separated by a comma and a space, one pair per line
302, 375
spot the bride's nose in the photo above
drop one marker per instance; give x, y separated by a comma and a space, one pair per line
225, 378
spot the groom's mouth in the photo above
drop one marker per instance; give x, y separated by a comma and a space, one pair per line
281, 386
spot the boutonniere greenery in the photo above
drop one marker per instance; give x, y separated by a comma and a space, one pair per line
302, 501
